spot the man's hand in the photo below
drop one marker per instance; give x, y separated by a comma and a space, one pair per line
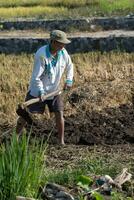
42, 97
67, 87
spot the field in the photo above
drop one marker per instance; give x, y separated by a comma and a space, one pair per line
90, 68
58, 9
98, 110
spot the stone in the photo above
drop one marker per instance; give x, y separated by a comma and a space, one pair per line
54, 191
64, 195
54, 186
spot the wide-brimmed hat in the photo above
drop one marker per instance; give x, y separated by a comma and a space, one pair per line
59, 36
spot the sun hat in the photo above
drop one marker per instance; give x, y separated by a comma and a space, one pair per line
59, 36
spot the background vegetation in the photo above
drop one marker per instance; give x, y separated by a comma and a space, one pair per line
64, 8
92, 67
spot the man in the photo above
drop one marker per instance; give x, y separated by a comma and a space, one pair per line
49, 65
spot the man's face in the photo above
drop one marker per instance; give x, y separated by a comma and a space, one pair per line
56, 46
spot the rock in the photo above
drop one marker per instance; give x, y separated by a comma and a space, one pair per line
64, 195
54, 191
54, 186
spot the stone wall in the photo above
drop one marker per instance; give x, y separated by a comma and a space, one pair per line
78, 44
69, 24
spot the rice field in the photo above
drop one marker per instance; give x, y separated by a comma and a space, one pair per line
92, 67
64, 8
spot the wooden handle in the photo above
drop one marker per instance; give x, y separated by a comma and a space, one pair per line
32, 101
23, 198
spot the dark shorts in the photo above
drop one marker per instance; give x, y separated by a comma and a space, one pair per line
54, 105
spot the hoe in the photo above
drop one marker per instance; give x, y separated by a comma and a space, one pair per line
22, 109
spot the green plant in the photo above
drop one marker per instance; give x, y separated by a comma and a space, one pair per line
97, 196
116, 196
84, 182
21, 168
64, 177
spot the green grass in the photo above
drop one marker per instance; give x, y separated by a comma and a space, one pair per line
21, 168
93, 163
64, 8
118, 6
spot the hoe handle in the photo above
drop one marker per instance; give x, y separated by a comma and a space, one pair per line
32, 101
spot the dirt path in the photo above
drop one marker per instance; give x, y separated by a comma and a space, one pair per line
44, 34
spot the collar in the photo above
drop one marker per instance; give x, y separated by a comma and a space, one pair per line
48, 53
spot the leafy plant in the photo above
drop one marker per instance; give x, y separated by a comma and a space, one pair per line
97, 196
84, 182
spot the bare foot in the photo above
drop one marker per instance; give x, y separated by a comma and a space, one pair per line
62, 143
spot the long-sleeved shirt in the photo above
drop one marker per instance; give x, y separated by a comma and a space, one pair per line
48, 70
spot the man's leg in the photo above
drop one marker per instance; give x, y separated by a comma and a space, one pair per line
20, 125
60, 125
33, 108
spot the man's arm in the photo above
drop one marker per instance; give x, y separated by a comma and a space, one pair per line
38, 69
69, 74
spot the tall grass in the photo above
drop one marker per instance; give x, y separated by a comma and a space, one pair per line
64, 8
38, 12
65, 3
112, 6
21, 168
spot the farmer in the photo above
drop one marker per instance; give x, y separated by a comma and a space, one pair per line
50, 62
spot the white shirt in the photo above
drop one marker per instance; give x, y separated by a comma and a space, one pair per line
48, 70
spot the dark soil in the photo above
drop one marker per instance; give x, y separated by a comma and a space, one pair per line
109, 126
87, 126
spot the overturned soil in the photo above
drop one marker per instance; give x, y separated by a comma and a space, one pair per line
93, 115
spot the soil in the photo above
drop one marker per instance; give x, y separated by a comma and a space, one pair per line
109, 126
92, 118
95, 114
59, 157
